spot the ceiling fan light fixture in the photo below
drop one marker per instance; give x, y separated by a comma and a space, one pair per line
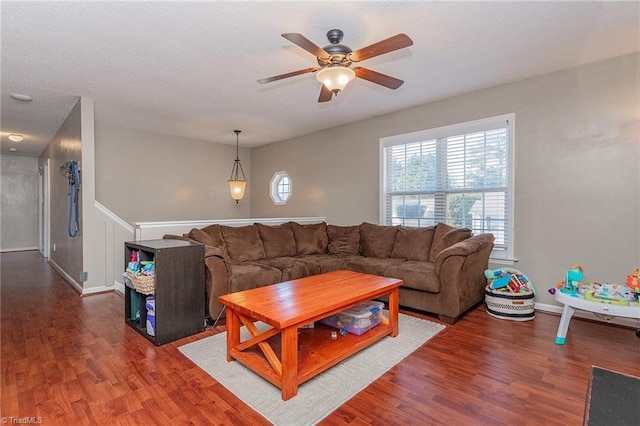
335, 78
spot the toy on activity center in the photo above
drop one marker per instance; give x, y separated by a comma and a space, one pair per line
571, 281
633, 282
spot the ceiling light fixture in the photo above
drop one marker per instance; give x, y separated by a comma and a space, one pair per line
335, 78
21, 97
237, 185
16, 138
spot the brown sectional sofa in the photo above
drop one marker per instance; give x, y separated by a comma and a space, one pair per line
442, 267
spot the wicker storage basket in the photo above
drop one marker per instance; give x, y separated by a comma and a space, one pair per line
143, 284
511, 306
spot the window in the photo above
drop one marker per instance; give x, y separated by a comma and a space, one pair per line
280, 188
460, 175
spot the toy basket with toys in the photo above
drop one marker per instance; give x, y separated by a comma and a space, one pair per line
509, 295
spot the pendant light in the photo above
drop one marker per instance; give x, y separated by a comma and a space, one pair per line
237, 185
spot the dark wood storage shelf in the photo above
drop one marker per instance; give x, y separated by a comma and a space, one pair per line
179, 289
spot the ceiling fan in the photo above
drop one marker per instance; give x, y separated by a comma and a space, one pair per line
335, 62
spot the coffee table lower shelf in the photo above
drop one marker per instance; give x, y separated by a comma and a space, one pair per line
317, 351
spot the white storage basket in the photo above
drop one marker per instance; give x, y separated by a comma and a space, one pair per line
511, 306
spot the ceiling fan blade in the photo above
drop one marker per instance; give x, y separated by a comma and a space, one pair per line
306, 44
287, 75
390, 44
378, 78
325, 94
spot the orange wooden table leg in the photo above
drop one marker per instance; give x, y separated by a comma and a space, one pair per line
393, 312
233, 332
289, 345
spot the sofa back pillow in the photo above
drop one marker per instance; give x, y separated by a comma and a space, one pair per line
377, 240
210, 236
278, 240
413, 243
446, 236
243, 242
311, 238
343, 240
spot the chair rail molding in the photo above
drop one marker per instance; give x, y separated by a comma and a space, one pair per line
155, 230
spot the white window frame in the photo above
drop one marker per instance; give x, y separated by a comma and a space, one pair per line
274, 188
499, 255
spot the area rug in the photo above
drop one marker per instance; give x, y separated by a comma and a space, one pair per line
324, 393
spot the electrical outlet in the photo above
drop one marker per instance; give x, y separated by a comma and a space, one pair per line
84, 276
54, 246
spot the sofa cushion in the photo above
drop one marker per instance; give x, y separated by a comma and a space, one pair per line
416, 275
343, 240
215, 234
277, 240
328, 262
311, 238
371, 265
377, 240
413, 243
446, 236
248, 275
293, 267
243, 242
211, 237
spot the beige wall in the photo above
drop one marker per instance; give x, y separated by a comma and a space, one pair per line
146, 176
19, 203
65, 146
577, 150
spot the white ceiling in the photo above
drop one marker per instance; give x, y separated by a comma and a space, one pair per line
190, 68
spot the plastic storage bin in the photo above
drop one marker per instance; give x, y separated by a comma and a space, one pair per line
358, 319
151, 315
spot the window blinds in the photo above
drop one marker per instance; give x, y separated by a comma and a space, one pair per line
459, 178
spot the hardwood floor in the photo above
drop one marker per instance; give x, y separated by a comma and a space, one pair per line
71, 360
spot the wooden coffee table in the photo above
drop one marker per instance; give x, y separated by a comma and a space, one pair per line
287, 355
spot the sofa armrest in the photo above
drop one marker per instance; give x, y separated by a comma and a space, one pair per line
217, 281
460, 269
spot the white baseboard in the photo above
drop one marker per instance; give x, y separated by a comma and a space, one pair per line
118, 287
99, 289
77, 287
627, 322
